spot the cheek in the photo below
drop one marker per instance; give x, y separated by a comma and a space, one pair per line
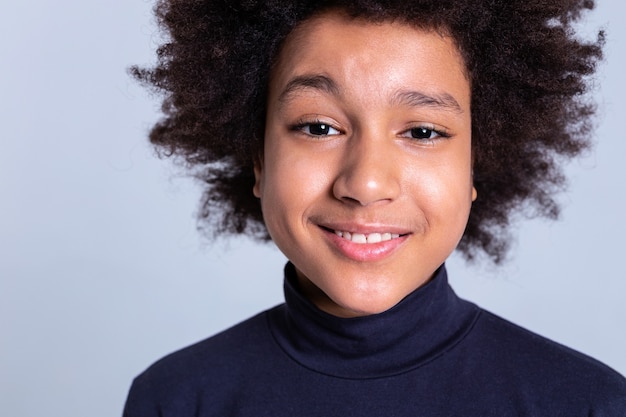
443, 191
291, 185
292, 188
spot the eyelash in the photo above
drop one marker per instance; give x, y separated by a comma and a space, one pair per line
440, 133
301, 126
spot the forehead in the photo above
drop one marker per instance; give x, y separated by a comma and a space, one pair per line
370, 56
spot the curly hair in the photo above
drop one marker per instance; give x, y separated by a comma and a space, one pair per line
529, 75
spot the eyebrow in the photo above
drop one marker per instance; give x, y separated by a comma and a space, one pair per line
303, 82
410, 98
443, 101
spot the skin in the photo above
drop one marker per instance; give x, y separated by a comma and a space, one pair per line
369, 135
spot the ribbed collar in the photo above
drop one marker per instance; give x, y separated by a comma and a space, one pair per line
422, 326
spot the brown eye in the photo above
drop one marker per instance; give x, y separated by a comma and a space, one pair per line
422, 133
425, 132
319, 129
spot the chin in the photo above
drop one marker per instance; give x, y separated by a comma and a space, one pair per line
365, 306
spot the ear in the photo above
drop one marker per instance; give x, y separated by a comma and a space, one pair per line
474, 192
257, 190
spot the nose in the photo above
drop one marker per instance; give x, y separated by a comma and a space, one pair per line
369, 172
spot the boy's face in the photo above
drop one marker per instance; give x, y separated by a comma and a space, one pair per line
365, 182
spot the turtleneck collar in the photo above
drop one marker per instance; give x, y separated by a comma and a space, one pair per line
422, 326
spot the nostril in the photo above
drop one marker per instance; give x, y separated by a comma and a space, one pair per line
351, 200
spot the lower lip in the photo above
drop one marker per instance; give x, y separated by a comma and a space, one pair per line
364, 252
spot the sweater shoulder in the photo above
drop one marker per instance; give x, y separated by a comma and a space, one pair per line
212, 365
232, 342
543, 365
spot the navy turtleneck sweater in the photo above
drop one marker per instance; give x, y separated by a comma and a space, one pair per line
432, 354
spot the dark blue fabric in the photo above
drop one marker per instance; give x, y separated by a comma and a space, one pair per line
433, 354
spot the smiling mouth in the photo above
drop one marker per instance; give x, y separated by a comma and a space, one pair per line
366, 238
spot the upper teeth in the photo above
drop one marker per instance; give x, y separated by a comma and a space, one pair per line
369, 238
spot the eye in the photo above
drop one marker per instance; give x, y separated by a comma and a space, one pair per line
315, 128
319, 129
422, 133
425, 133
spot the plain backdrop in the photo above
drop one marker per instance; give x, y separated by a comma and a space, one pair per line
102, 270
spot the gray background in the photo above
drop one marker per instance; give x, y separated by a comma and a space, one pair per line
102, 270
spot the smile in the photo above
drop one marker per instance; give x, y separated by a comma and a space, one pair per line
366, 238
